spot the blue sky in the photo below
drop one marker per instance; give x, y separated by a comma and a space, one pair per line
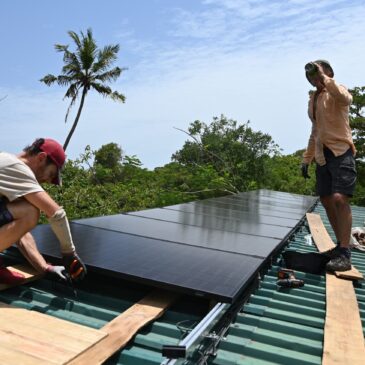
186, 60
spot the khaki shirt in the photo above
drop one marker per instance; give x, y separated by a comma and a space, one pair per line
16, 178
330, 122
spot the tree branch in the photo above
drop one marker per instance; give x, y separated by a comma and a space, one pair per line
212, 154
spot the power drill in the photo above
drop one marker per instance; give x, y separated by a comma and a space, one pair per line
286, 279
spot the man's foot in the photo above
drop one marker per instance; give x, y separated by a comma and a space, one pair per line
340, 263
332, 253
339, 259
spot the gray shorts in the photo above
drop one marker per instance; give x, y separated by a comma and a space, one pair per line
5, 216
338, 175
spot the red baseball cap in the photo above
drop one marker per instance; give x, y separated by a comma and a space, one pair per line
56, 153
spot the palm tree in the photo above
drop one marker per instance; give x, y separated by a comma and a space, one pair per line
86, 68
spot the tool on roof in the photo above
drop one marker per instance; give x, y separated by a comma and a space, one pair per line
70, 282
287, 279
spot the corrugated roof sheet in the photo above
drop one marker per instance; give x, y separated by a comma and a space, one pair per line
102, 300
285, 326
273, 327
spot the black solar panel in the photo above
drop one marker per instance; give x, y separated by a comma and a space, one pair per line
184, 234
194, 270
252, 227
246, 216
212, 247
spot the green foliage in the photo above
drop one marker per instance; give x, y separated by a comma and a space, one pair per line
357, 120
239, 155
85, 193
108, 163
285, 175
109, 156
88, 67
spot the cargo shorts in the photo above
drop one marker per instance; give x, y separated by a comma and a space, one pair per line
338, 175
5, 216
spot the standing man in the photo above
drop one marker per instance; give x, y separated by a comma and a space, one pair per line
21, 200
331, 145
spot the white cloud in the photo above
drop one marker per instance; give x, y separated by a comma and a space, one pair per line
243, 59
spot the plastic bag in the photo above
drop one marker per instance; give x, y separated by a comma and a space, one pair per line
358, 238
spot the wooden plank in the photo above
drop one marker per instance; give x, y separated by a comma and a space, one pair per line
319, 233
10, 318
42, 321
13, 357
30, 274
353, 274
35, 338
324, 242
343, 335
121, 329
34, 347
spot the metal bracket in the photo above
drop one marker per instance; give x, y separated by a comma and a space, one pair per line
200, 332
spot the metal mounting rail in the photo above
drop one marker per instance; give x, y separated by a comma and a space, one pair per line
191, 341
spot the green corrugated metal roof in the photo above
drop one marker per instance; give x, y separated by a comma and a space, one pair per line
102, 300
286, 326
273, 327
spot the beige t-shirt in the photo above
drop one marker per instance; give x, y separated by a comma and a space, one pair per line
16, 178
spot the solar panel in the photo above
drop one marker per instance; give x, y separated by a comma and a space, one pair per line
193, 270
213, 222
212, 247
245, 216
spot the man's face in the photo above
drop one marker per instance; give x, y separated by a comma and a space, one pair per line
45, 172
316, 81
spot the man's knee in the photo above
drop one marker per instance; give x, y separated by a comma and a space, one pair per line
340, 199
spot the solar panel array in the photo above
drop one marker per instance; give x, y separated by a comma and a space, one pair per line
211, 247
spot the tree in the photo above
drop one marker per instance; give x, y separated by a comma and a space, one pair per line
357, 120
87, 68
108, 163
238, 153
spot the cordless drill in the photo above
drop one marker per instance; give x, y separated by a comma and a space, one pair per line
286, 279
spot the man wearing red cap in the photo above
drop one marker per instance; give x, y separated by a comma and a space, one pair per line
21, 200
331, 146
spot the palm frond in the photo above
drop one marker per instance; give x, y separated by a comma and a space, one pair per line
61, 47
105, 58
101, 89
108, 76
75, 38
107, 92
72, 92
64, 80
117, 96
70, 59
88, 51
48, 79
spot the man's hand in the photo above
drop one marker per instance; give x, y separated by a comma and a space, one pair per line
56, 271
74, 266
304, 169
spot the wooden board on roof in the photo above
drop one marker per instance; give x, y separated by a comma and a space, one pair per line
32, 338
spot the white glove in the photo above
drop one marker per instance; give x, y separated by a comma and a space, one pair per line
56, 271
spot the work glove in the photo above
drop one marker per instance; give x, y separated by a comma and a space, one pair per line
304, 169
74, 266
57, 271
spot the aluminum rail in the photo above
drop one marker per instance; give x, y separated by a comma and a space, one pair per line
187, 346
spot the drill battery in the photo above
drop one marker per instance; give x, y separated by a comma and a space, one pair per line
287, 279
